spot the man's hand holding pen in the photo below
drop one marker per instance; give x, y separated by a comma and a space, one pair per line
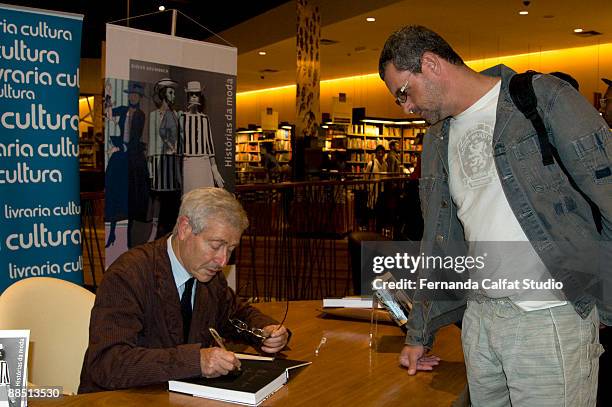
215, 362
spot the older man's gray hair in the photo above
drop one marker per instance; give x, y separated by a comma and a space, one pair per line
205, 204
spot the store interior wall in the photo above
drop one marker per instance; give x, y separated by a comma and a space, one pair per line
587, 64
91, 84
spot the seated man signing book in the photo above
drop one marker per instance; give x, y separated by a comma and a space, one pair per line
153, 310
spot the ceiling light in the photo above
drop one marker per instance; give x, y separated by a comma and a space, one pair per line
578, 30
370, 19
161, 8
262, 53
523, 12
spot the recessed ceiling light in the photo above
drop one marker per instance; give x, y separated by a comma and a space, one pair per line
578, 30
370, 19
523, 12
161, 8
262, 52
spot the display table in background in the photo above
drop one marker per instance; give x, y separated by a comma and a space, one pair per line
345, 373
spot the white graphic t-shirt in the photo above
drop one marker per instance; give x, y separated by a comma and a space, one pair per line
483, 209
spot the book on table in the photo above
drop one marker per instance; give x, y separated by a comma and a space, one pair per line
254, 383
348, 302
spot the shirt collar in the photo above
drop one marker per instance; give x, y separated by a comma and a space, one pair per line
178, 271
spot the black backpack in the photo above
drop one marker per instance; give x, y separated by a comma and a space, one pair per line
523, 96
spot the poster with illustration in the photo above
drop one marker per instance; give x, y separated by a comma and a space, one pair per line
169, 113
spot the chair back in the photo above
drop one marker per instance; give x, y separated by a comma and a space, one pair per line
57, 314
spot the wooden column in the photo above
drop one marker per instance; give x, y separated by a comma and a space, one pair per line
308, 92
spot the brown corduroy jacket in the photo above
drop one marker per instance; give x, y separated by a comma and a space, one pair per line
136, 327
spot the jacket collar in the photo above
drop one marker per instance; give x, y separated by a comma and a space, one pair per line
505, 107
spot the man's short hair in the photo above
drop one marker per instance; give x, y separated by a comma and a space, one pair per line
392, 144
205, 204
379, 147
405, 48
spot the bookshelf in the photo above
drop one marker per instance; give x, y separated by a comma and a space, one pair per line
249, 146
282, 144
362, 139
336, 136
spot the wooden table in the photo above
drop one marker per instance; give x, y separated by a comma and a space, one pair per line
347, 372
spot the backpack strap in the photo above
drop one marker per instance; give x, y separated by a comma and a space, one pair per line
523, 96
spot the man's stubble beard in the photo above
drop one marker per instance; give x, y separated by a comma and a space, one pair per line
432, 111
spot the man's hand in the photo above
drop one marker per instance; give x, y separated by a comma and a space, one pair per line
215, 362
277, 337
413, 357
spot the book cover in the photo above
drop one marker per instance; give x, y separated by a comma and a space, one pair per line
13, 367
256, 381
396, 302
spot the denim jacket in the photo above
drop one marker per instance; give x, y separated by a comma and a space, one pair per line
546, 206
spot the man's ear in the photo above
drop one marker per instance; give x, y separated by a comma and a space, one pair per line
431, 63
184, 227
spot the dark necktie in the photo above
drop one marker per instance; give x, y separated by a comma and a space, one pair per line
186, 307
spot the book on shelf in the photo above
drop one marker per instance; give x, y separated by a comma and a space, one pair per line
282, 145
371, 130
283, 157
283, 134
254, 383
247, 138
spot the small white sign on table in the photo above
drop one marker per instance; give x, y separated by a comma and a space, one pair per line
14, 367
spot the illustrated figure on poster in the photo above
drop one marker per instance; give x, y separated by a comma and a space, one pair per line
127, 175
165, 155
108, 100
199, 165
5, 381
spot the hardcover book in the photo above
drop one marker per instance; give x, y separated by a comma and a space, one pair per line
254, 383
348, 302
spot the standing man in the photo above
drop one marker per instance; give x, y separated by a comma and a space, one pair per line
150, 322
483, 180
604, 393
394, 163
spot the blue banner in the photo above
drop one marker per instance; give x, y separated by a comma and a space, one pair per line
39, 164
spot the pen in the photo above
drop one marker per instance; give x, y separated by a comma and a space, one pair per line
218, 339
